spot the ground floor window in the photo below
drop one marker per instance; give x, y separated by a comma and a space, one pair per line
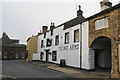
54, 56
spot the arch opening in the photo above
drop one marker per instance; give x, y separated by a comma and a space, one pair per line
101, 47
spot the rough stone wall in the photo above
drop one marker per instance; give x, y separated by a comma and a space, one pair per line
111, 32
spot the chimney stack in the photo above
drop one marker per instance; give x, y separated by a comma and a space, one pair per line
79, 12
105, 4
52, 26
39, 33
44, 29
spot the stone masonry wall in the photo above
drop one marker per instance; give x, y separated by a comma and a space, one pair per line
111, 32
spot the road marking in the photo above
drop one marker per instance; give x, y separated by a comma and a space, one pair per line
7, 76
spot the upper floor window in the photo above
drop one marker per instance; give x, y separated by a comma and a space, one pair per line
102, 23
49, 42
57, 40
76, 35
42, 44
67, 38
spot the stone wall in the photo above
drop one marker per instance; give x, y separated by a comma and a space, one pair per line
111, 32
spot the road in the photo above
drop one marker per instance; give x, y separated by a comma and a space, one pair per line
23, 69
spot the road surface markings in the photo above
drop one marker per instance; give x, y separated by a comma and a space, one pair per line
7, 76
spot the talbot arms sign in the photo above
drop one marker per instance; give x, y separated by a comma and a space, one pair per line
69, 47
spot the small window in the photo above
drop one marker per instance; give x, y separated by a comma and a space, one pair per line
54, 55
48, 43
57, 40
106, 22
42, 44
97, 24
67, 38
102, 23
76, 35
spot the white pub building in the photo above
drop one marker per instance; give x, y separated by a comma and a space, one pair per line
68, 41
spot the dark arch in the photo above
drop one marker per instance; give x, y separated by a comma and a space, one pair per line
101, 47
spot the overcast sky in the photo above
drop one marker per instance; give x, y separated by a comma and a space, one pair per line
22, 18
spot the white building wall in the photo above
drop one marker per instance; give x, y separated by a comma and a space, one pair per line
85, 47
72, 57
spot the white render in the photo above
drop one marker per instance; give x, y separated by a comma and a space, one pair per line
35, 56
72, 57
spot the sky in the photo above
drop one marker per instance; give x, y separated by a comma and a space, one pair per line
21, 19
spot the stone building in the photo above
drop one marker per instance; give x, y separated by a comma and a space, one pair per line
11, 49
31, 46
104, 31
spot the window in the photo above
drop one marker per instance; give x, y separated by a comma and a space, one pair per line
54, 55
67, 38
57, 40
106, 22
49, 41
42, 45
76, 35
102, 23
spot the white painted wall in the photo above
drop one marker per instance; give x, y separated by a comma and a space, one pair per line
36, 56
72, 57
85, 47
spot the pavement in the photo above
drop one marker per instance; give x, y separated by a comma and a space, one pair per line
77, 73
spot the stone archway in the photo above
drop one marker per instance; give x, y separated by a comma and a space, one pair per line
102, 53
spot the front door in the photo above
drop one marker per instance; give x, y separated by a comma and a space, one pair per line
47, 58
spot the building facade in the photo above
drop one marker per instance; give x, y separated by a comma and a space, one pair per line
104, 31
89, 43
68, 41
32, 43
11, 49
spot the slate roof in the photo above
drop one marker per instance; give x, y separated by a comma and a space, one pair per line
73, 22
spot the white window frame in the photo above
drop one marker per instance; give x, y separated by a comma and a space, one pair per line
99, 24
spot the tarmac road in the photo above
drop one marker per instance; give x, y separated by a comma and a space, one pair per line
23, 69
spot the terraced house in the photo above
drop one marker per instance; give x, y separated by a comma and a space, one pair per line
91, 43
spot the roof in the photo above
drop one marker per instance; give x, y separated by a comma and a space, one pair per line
73, 22
105, 11
14, 45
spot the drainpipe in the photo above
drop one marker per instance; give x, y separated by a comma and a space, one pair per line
80, 46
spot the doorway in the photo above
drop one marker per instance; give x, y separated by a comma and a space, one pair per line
102, 53
47, 56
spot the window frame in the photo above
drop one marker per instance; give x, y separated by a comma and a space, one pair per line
101, 23
54, 55
75, 37
57, 40
66, 38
